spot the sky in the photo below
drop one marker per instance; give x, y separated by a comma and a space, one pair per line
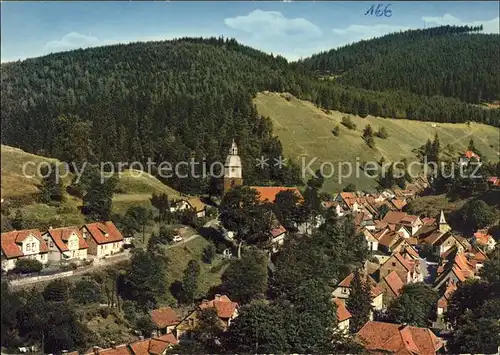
290, 28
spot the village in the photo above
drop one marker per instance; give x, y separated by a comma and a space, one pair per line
404, 249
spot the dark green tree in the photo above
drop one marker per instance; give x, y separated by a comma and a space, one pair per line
190, 281
359, 302
51, 188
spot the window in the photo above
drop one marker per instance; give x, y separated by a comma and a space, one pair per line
28, 247
393, 263
345, 290
51, 244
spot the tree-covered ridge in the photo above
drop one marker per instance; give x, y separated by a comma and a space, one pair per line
446, 61
173, 100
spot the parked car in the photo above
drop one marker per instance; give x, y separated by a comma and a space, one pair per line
177, 239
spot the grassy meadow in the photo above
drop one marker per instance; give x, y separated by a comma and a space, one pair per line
306, 133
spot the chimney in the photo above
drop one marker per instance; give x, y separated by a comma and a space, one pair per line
113, 345
95, 349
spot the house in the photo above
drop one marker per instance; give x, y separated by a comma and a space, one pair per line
442, 304
389, 338
442, 242
407, 269
23, 244
398, 203
387, 239
65, 243
226, 309
334, 205
348, 201
370, 240
494, 182
193, 203
343, 290
151, 346
484, 240
467, 157
103, 238
410, 223
343, 315
278, 235
364, 219
165, 319
455, 268
391, 285
267, 194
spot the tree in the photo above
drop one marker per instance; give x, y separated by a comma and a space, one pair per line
491, 269
350, 188
414, 306
259, 329
86, 291
146, 325
162, 203
367, 132
10, 305
190, 281
141, 215
98, 200
359, 302
387, 180
288, 204
246, 278
241, 211
51, 188
476, 214
57, 290
146, 279
209, 253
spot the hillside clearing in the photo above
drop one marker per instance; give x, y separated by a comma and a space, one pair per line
306, 133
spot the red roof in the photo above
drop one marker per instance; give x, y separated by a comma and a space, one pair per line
60, 237
342, 312
104, 232
11, 242
374, 288
482, 237
164, 317
394, 282
223, 305
398, 203
394, 217
428, 221
275, 232
399, 339
470, 154
268, 193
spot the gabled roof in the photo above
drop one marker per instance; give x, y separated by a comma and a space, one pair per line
342, 311
275, 232
390, 238
11, 242
399, 339
374, 288
60, 236
482, 237
196, 204
223, 305
104, 233
164, 317
394, 217
268, 193
398, 203
394, 282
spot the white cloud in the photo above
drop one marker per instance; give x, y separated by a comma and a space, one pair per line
271, 24
490, 26
73, 40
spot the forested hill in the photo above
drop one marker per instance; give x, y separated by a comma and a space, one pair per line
173, 100
451, 61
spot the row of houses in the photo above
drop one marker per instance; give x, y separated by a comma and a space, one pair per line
93, 240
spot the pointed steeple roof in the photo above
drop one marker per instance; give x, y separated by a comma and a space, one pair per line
234, 149
442, 220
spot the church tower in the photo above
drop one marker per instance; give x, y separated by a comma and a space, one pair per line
232, 169
443, 225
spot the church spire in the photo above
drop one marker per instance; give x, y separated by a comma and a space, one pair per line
234, 149
442, 220
443, 225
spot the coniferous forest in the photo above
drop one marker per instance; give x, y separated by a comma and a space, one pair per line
174, 100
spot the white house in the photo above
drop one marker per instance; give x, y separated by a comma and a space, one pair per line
193, 203
483, 239
277, 237
65, 244
343, 290
21, 245
103, 238
371, 240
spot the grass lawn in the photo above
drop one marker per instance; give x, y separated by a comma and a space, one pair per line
180, 256
306, 133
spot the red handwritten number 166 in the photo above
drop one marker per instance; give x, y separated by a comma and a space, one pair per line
378, 11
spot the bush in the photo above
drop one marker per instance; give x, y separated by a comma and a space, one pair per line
382, 133
209, 253
346, 121
336, 130
26, 266
104, 312
86, 291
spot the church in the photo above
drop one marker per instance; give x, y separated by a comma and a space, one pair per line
233, 177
